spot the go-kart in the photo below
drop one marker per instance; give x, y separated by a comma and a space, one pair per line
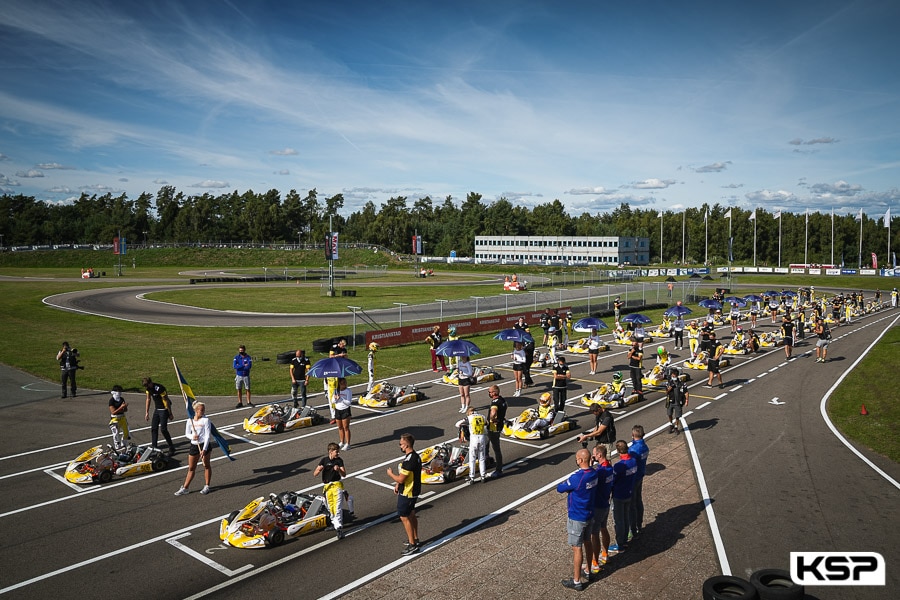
446, 462
101, 463
278, 418
660, 374
268, 521
664, 330
738, 345
520, 427
482, 375
610, 394
385, 394
581, 347
623, 337
771, 340
541, 360
699, 362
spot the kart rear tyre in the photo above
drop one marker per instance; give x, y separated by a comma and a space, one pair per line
158, 464
727, 587
104, 476
279, 428
776, 584
449, 475
231, 516
275, 538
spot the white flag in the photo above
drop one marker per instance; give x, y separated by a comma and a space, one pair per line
887, 219
753, 215
807, 215
705, 216
777, 215
728, 214
660, 214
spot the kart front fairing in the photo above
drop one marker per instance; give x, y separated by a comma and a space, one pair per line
277, 418
386, 395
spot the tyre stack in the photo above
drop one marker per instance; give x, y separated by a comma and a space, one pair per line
765, 584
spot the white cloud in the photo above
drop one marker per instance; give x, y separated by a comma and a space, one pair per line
52, 166
209, 183
282, 172
593, 191
653, 184
821, 140
838, 188
29, 174
284, 152
717, 167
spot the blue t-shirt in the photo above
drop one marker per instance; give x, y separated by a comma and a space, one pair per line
623, 481
640, 452
581, 486
604, 485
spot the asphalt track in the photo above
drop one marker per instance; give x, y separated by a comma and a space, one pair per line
778, 480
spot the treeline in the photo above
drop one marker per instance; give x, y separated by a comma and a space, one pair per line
446, 225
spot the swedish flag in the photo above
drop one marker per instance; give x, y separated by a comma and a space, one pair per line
189, 399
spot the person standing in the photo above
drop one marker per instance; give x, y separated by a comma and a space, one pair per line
408, 486
331, 468
162, 412
694, 338
496, 419
604, 431
678, 331
545, 325
617, 308
434, 340
677, 396
528, 347
581, 487
599, 530
339, 349
636, 365
465, 374
68, 365
561, 377
734, 316
118, 422
477, 426
593, 343
242, 364
198, 431
370, 365
824, 334
299, 378
716, 349
787, 333
640, 451
343, 398
518, 365
623, 483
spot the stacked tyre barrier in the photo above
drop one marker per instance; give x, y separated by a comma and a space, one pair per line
765, 584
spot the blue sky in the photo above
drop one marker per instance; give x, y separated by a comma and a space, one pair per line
660, 104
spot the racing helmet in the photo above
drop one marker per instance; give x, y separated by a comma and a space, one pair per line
617, 376
551, 330
451, 331
740, 329
660, 350
545, 399
373, 346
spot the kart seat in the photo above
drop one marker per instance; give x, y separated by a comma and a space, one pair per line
314, 507
558, 418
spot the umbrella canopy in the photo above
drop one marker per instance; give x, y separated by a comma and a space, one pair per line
514, 335
458, 348
586, 324
736, 300
710, 303
753, 298
773, 293
677, 311
636, 318
335, 366
789, 294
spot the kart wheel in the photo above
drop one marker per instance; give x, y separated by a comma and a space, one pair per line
775, 584
449, 475
275, 537
104, 476
159, 464
726, 587
231, 516
279, 428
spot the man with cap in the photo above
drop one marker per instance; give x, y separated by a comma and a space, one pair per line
561, 377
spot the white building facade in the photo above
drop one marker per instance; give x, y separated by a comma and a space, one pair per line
569, 250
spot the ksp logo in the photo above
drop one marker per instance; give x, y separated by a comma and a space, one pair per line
837, 568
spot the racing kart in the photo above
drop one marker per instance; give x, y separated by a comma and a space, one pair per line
699, 362
520, 427
446, 462
268, 521
101, 463
278, 418
664, 330
385, 394
541, 360
581, 347
660, 374
609, 395
482, 375
771, 340
738, 346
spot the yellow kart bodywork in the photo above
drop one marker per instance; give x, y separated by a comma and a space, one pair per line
581, 347
699, 363
385, 395
262, 522
482, 375
101, 463
516, 427
278, 418
605, 395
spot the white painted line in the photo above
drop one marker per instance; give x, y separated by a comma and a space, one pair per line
761, 375
776, 402
749, 381
722, 395
378, 483
35, 470
734, 389
702, 405
207, 561
773, 369
65, 481
707, 501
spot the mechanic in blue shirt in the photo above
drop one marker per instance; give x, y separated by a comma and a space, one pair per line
599, 530
242, 364
624, 473
639, 451
581, 487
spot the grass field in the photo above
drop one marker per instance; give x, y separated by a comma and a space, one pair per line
122, 352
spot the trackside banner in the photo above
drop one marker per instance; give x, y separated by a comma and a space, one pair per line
417, 333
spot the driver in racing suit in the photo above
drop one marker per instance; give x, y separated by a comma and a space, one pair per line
118, 423
546, 411
476, 425
332, 469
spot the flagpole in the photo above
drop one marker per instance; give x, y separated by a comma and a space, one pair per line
860, 238
832, 236
706, 239
779, 239
684, 211
806, 241
660, 237
754, 237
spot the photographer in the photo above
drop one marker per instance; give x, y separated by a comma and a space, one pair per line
68, 363
604, 431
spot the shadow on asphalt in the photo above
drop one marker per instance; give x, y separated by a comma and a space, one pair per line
704, 424
265, 476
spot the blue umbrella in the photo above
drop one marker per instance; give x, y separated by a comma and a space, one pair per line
636, 318
335, 366
753, 298
710, 303
773, 293
458, 348
789, 294
588, 323
514, 335
736, 300
677, 311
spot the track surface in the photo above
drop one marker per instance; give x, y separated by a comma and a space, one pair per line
778, 478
